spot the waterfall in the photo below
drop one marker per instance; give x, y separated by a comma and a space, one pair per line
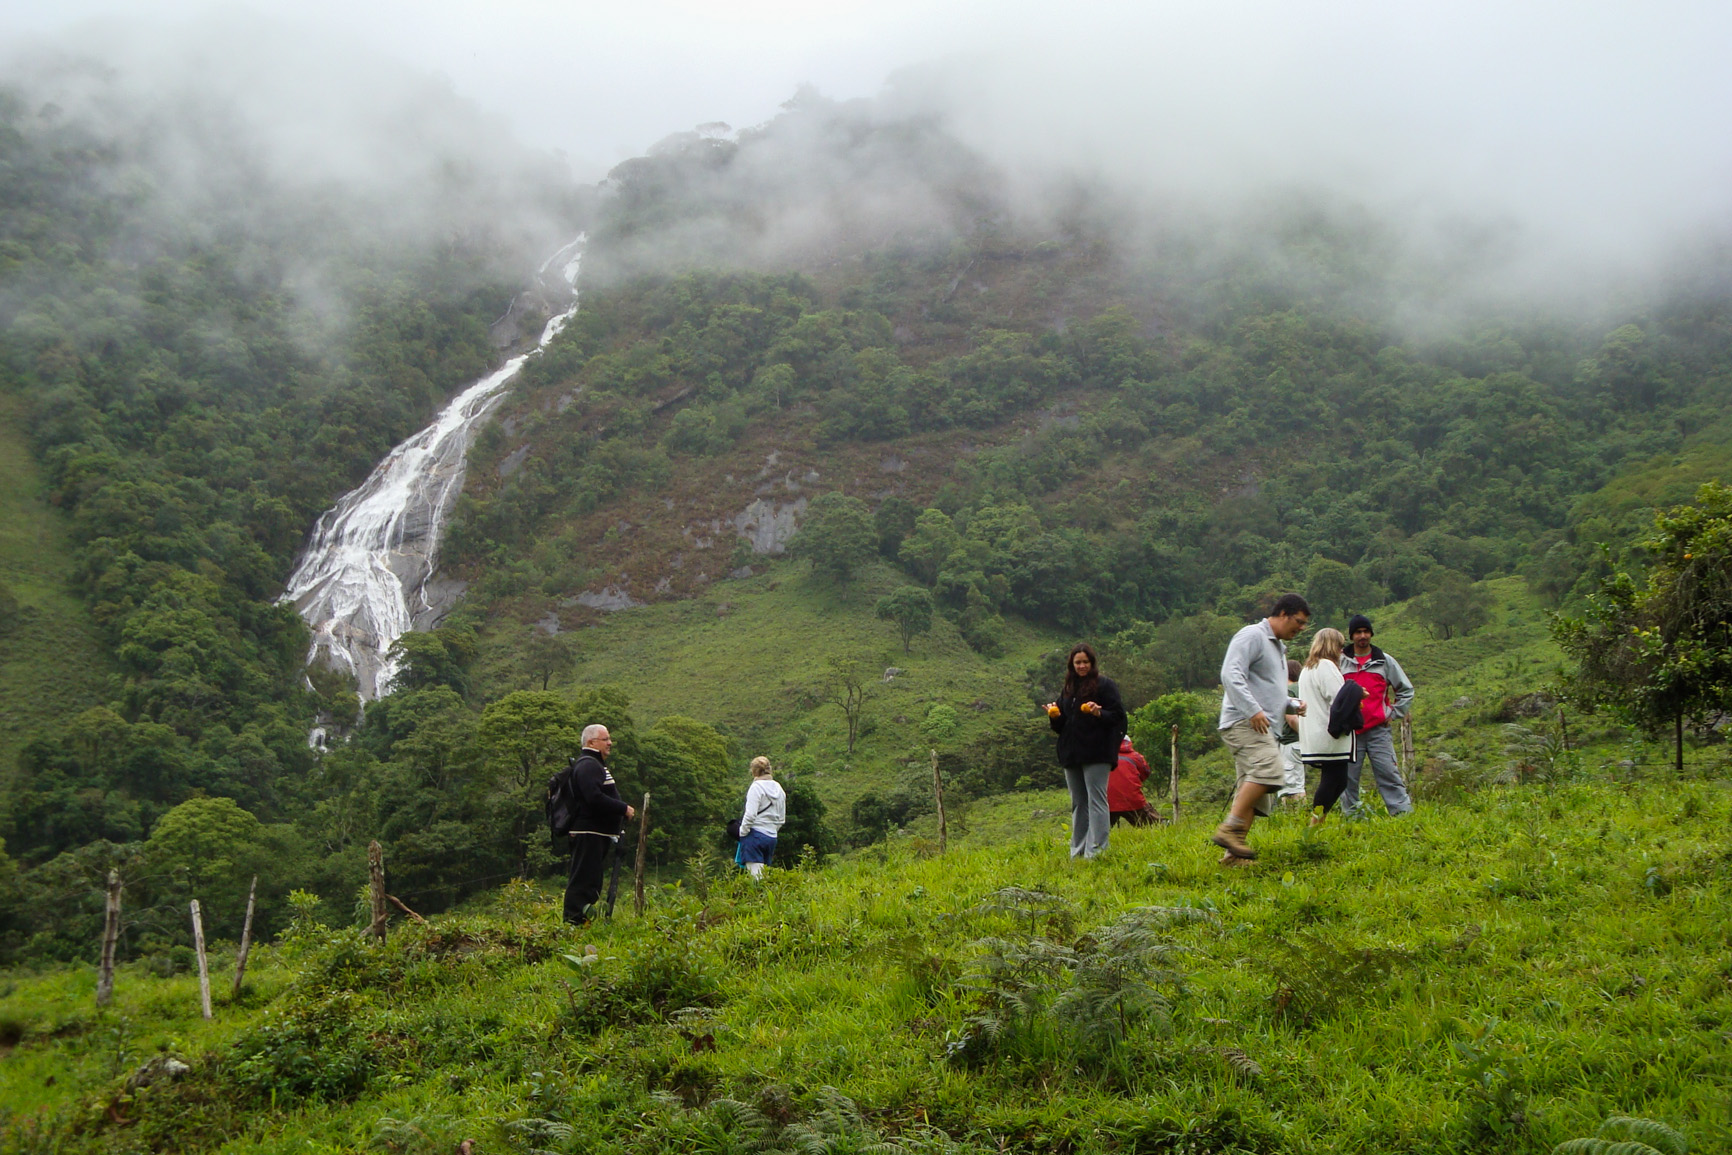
366, 578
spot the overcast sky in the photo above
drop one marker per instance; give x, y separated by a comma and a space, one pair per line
1605, 124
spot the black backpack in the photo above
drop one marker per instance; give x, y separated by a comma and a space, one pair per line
561, 802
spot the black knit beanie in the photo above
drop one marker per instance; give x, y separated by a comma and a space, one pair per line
1358, 621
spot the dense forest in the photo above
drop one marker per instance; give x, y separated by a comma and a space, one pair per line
1038, 424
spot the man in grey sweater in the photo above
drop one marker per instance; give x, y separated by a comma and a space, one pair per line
1253, 699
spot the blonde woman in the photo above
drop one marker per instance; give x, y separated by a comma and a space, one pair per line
766, 810
1330, 711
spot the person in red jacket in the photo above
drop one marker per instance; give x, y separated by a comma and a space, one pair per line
1125, 799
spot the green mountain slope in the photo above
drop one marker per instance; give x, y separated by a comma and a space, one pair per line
52, 661
1066, 420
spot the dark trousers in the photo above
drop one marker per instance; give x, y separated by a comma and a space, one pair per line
1332, 782
589, 856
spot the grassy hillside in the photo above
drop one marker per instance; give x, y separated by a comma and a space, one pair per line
51, 661
753, 656
1497, 974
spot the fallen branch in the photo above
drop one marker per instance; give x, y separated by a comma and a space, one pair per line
406, 910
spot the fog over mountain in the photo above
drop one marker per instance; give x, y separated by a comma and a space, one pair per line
1551, 145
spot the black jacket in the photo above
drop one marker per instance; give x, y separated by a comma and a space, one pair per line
1083, 738
598, 807
1345, 715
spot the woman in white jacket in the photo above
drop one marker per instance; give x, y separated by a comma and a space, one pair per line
1320, 680
766, 810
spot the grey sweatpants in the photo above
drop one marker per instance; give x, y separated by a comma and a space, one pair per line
1377, 745
1090, 820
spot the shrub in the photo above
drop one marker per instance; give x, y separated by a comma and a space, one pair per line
649, 986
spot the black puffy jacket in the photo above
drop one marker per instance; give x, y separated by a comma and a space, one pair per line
1083, 738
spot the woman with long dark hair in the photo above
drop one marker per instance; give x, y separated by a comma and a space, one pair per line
1089, 719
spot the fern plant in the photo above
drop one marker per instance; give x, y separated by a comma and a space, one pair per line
1314, 975
1084, 996
1623, 1135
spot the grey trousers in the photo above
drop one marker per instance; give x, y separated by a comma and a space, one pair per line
1090, 820
1377, 745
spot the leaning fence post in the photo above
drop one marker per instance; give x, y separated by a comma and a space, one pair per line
203, 964
1175, 771
938, 792
642, 854
110, 936
246, 939
376, 873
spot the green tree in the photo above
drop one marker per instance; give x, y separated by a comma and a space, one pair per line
932, 541
685, 766
209, 849
1192, 648
1659, 651
1336, 591
528, 734
838, 536
1151, 726
525, 737
910, 607
434, 658
204, 840
849, 686
894, 521
806, 825
548, 656
1452, 604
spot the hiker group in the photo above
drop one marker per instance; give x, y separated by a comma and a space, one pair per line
584, 807
1330, 713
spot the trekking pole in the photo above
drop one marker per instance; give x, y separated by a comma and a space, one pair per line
613, 882
642, 849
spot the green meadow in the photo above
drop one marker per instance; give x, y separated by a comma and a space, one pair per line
1500, 972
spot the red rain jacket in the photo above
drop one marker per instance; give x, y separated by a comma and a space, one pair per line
1125, 786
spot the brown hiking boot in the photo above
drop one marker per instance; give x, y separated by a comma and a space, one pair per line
1230, 836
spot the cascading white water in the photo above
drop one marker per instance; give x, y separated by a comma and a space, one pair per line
363, 580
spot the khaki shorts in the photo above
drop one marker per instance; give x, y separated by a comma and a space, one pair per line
1256, 757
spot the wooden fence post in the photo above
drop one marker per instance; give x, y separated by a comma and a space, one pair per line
203, 964
1175, 772
110, 936
938, 792
246, 940
1407, 750
376, 871
642, 855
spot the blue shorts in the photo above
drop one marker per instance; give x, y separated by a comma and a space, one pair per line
757, 846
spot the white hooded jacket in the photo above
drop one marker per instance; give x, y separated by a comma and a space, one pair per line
766, 808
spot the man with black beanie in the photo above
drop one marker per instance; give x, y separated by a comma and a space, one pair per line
1388, 694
